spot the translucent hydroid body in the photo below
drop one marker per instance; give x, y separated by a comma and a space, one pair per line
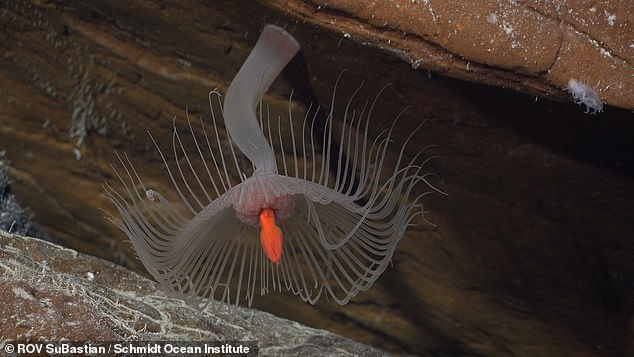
290, 224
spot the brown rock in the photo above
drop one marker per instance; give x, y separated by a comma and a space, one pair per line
533, 47
52, 294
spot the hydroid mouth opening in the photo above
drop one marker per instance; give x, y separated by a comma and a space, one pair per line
270, 235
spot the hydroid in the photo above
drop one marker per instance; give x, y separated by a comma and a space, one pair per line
290, 224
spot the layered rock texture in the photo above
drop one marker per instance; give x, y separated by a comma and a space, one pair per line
53, 294
529, 254
532, 47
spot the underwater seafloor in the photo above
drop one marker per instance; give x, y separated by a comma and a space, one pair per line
530, 253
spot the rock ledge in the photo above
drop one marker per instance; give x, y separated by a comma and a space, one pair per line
52, 294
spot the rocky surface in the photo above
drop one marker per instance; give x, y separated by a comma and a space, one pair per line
52, 293
12, 216
532, 47
531, 253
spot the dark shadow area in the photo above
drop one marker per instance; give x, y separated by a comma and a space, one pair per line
605, 139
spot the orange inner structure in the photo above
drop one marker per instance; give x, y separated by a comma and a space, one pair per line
270, 235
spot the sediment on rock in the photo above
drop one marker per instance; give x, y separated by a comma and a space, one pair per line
52, 293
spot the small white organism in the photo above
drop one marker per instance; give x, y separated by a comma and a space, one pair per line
582, 94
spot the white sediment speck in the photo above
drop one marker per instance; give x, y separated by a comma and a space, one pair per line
77, 154
492, 18
19, 292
